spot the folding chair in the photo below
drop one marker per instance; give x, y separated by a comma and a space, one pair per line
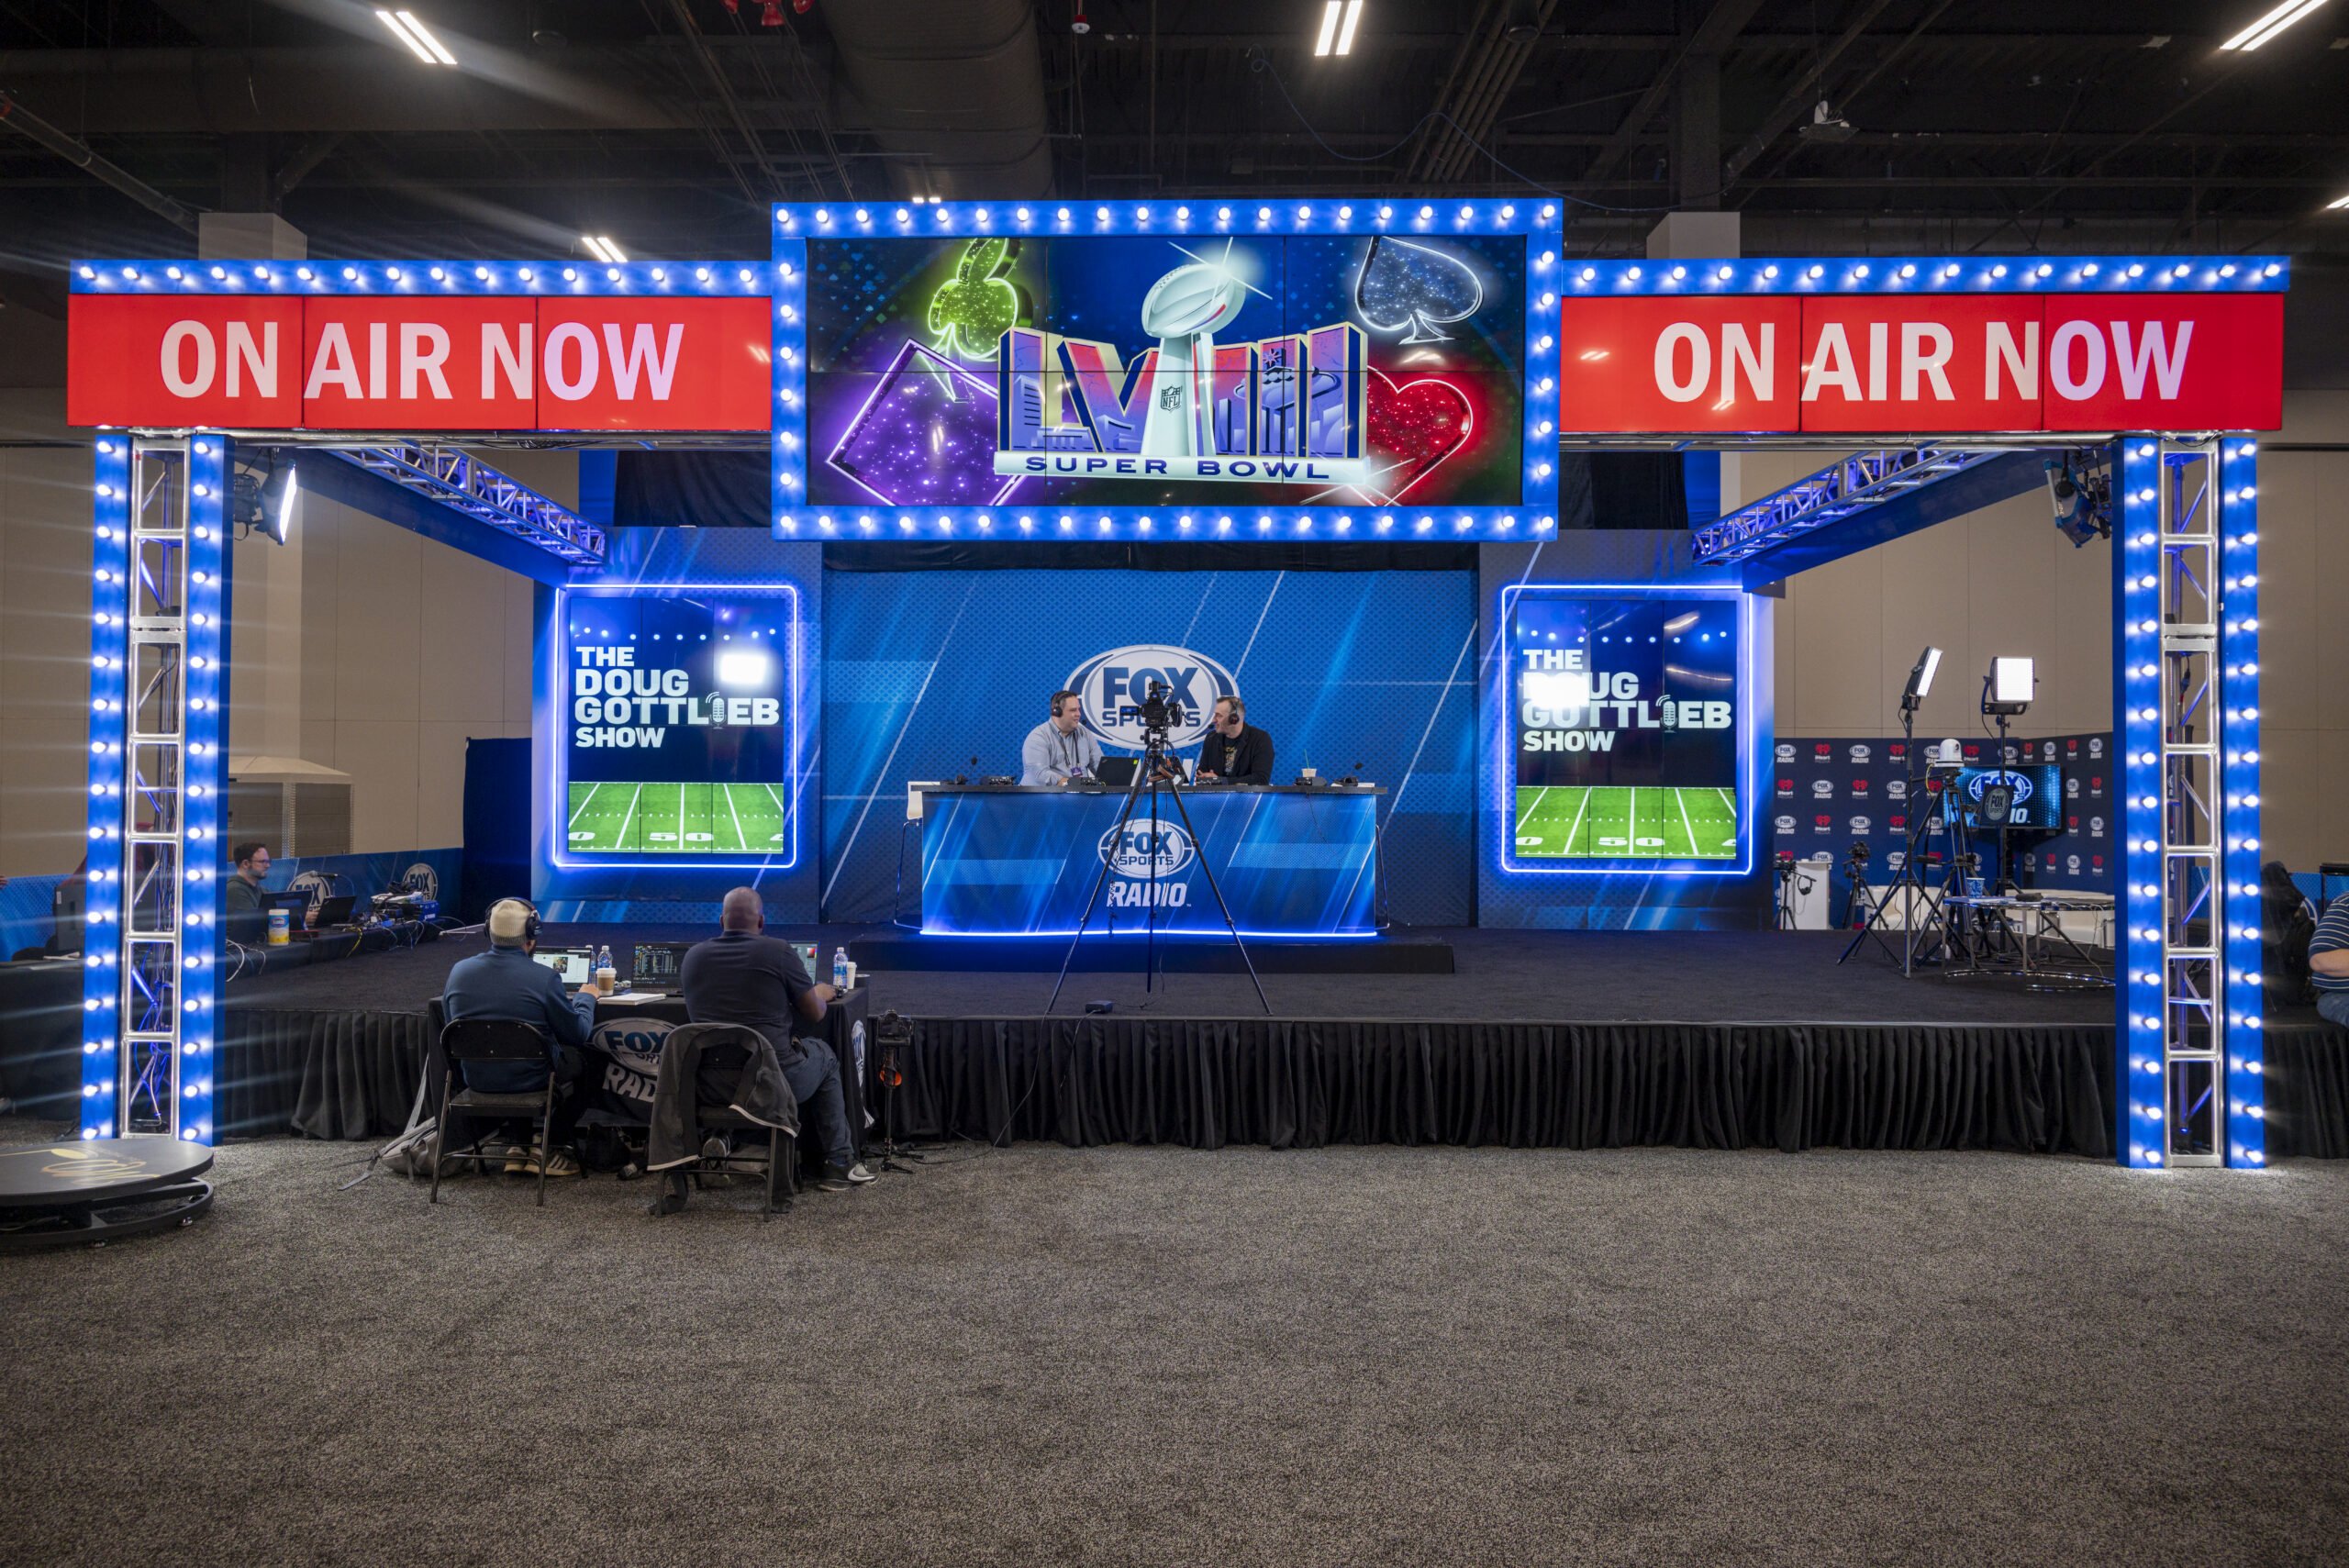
720, 1066
485, 1040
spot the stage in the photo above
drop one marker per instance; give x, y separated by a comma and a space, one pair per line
1571, 1040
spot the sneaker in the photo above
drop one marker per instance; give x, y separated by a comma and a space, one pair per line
835, 1180
716, 1151
558, 1164
517, 1159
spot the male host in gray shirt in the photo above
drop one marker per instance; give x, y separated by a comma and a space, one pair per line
1060, 747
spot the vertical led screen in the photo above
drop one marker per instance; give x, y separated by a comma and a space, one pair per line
1200, 369
679, 727
1626, 730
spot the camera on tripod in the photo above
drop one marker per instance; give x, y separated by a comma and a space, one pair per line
1159, 711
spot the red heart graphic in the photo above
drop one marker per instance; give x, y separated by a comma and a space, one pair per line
1414, 426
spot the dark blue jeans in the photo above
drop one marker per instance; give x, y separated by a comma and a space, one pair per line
2334, 1007
814, 1080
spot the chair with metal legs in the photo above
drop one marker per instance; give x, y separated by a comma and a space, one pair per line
485, 1040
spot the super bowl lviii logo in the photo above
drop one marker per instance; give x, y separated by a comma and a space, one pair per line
1288, 408
1115, 685
1338, 370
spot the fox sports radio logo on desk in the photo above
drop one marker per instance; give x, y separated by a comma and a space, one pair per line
1113, 685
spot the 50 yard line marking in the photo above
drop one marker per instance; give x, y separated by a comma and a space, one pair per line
627, 817
1587, 792
1526, 814
582, 807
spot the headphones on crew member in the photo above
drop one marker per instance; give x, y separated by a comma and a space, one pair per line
530, 917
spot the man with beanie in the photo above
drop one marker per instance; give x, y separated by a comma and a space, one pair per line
507, 983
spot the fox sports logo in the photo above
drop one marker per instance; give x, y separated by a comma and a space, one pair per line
1128, 850
1114, 684
1980, 781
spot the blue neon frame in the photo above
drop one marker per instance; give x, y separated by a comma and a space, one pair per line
1799, 275
1504, 772
203, 774
1534, 515
558, 629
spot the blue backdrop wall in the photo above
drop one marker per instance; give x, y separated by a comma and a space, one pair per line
924, 670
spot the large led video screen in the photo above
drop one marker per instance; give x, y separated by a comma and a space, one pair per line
1209, 371
1625, 729
679, 727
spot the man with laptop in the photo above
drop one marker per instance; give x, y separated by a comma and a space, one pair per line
1060, 747
507, 981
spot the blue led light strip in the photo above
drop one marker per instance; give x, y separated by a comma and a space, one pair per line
159, 637
422, 279
1932, 274
1860, 481
1534, 517
462, 483
2245, 1139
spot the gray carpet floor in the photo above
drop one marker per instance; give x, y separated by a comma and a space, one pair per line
1144, 1356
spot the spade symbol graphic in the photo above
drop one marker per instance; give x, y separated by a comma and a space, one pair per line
1416, 287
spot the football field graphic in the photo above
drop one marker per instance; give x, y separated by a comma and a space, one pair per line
1613, 821
678, 818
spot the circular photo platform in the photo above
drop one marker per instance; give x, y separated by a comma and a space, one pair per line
86, 1192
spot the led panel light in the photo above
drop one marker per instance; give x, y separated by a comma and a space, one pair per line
2268, 26
416, 36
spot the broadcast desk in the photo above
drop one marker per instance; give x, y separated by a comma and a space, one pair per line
1004, 860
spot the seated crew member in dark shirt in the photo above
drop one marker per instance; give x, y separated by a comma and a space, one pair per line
744, 976
243, 918
1236, 753
507, 983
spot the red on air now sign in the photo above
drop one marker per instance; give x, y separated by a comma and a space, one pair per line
392, 362
1896, 364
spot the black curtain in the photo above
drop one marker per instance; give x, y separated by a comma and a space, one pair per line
497, 826
1297, 1085
697, 489
1622, 490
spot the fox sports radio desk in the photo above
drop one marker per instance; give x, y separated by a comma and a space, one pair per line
1004, 860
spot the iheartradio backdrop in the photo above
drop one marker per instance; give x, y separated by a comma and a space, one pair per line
902, 338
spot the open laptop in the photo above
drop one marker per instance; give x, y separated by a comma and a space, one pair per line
334, 911
575, 965
1118, 772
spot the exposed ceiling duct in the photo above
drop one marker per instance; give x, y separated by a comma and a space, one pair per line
954, 94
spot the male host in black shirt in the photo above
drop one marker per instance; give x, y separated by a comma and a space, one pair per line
1236, 753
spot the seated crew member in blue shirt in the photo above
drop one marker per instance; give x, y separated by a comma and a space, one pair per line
744, 976
1060, 747
507, 983
1235, 751
2329, 962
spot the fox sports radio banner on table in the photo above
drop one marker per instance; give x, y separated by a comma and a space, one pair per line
679, 727
1184, 372
1628, 731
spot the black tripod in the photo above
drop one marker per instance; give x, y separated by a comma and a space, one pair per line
1157, 771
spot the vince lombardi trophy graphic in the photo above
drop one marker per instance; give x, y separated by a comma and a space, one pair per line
1182, 311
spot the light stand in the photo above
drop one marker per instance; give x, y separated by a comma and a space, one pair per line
1155, 774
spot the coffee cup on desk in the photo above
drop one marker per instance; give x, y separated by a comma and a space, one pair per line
1306, 775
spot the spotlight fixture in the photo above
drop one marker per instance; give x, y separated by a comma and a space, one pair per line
263, 500
600, 246
2007, 689
1338, 20
2268, 26
1920, 680
1826, 125
416, 36
1078, 24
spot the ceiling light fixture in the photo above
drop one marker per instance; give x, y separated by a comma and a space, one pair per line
2340, 205
416, 36
600, 246
1338, 20
2268, 26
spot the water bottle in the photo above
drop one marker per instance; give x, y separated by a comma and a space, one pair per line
604, 956
839, 969
605, 974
